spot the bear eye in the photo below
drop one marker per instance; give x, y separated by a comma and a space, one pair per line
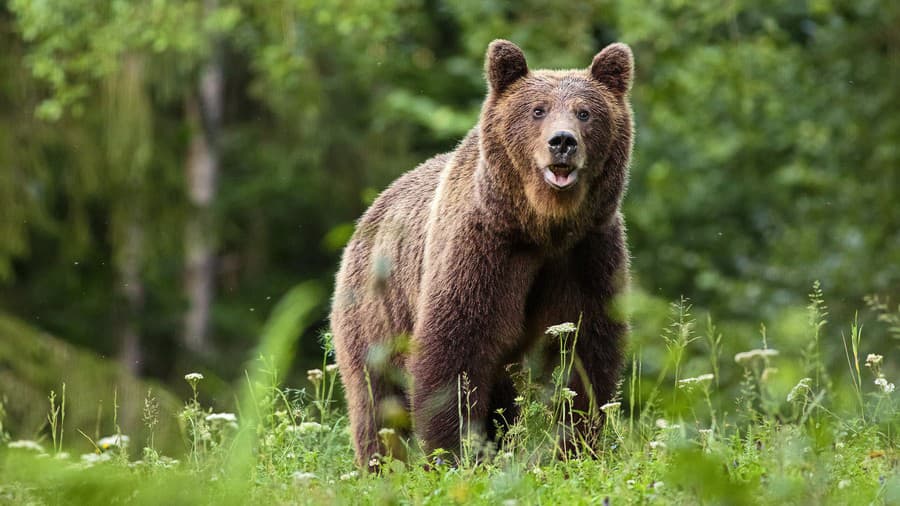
583, 115
538, 112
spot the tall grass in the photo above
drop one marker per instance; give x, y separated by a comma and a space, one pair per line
669, 439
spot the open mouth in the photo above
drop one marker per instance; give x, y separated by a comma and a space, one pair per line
560, 177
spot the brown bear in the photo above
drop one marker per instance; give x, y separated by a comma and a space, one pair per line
471, 255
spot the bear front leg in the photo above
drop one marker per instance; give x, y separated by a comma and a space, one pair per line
584, 285
595, 376
599, 348
471, 314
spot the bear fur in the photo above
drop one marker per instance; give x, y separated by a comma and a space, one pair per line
458, 268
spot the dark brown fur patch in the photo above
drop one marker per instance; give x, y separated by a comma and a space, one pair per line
472, 255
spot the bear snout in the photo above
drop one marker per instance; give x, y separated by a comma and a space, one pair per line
561, 170
562, 145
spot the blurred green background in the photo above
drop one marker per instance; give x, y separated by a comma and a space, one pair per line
169, 169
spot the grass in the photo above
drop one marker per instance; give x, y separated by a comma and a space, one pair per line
790, 431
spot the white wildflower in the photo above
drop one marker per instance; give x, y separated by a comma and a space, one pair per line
658, 485
882, 382
193, 377
301, 478
314, 375
26, 444
349, 476
309, 427
630, 483
561, 329
167, 462
689, 383
610, 406
873, 360
799, 389
221, 417
386, 432
117, 440
519, 399
304, 428
89, 459
746, 357
331, 368
664, 424
657, 445
705, 432
568, 394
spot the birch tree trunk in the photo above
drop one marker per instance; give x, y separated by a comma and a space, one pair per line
131, 288
129, 146
205, 115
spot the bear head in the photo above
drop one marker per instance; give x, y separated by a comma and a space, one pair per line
565, 135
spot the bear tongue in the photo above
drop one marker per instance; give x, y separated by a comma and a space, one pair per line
560, 177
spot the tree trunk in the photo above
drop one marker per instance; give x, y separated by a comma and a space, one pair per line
129, 143
205, 116
131, 288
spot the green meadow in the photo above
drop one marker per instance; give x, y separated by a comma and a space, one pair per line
790, 430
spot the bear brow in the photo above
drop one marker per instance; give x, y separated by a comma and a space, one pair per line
574, 90
559, 86
574, 83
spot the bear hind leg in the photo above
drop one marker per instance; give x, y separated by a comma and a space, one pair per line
378, 418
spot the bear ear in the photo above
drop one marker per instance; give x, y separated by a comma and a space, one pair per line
614, 67
504, 64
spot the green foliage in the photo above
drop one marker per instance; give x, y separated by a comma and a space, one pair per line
76, 43
764, 131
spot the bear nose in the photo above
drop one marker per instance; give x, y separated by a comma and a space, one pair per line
563, 144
